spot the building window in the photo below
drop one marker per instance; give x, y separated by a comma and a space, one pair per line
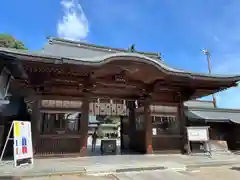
58, 123
166, 125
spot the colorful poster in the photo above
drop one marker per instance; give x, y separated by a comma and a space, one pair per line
23, 151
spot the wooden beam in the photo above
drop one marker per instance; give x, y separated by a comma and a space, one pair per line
82, 81
177, 85
60, 97
93, 95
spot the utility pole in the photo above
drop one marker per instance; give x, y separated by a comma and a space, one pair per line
206, 52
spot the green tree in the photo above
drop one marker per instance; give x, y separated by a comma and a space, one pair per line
9, 41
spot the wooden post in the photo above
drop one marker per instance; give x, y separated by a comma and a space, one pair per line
132, 123
183, 131
35, 121
84, 125
148, 126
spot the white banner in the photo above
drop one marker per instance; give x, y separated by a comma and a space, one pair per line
23, 150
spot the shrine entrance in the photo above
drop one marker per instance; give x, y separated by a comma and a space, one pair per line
62, 126
72, 75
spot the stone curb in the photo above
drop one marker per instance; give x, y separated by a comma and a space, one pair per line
42, 174
128, 169
212, 164
140, 169
122, 170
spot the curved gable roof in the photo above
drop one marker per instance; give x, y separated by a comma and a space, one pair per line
101, 60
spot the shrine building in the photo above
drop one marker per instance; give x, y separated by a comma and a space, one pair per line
67, 77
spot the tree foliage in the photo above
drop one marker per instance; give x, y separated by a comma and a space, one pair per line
9, 41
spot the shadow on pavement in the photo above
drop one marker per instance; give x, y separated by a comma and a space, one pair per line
9, 178
235, 168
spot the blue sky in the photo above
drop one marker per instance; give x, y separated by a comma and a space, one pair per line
176, 29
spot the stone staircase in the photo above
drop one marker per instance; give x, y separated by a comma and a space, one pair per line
219, 148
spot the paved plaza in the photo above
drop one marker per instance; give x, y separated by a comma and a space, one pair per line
216, 173
115, 164
165, 166
225, 173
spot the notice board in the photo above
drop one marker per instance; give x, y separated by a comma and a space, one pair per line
198, 133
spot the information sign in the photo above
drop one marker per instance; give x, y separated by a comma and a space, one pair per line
197, 133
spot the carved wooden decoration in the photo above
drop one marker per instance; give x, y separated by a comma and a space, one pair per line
164, 109
61, 104
102, 109
96, 109
91, 109
114, 109
108, 109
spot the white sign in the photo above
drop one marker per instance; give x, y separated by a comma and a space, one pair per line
154, 131
22, 136
197, 133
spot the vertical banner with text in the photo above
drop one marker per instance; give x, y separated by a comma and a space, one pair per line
23, 150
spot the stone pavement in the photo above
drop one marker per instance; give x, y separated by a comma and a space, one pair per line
113, 164
219, 173
216, 173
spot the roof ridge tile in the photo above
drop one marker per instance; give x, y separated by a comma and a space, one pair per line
100, 47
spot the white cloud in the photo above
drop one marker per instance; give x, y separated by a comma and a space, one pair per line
74, 24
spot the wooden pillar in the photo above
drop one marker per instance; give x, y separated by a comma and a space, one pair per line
183, 130
35, 122
132, 123
147, 125
84, 125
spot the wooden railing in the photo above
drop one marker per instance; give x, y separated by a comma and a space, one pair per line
58, 144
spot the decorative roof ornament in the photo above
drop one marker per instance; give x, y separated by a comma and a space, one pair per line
120, 77
132, 48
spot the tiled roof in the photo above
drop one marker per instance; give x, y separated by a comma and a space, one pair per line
199, 104
64, 54
70, 43
214, 114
